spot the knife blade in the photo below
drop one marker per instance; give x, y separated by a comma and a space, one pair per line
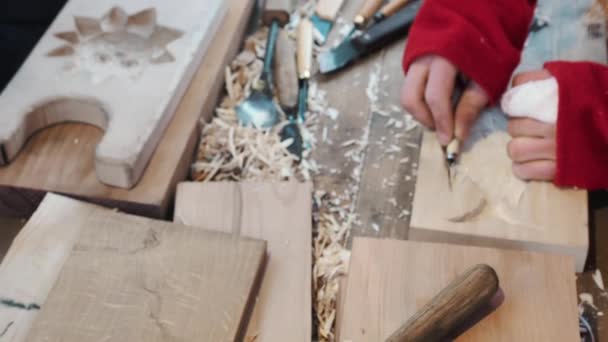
375, 38
324, 17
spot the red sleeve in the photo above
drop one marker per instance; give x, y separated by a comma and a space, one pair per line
582, 124
484, 38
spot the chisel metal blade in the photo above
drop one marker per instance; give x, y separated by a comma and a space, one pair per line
322, 28
339, 57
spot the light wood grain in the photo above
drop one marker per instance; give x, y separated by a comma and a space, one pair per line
279, 213
286, 71
126, 278
60, 159
144, 48
329, 9
390, 280
530, 216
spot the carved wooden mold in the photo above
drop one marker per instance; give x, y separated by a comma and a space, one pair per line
123, 70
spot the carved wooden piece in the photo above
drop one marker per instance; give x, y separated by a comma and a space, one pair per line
122, 69
78, 272
489, 206
60, 159
389, 281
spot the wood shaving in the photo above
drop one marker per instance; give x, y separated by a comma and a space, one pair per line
599, 281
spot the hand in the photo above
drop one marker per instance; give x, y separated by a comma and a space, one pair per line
533, 147
427, 95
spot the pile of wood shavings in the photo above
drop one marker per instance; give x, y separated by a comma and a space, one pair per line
330, 264
231, 152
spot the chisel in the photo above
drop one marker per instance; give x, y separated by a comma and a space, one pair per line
323, 20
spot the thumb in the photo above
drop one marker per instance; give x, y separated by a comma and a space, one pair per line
473, 100
536, 99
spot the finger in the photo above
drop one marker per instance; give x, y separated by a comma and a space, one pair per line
438, 95
526, 149
472, 102
529, 76
543, 170
530, 128
412, 94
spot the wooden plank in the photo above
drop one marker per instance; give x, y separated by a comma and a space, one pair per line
60, 159
91, 57
78, 272
389, 281
488, 206
279, 213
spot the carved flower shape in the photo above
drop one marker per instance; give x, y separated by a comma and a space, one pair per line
118, 40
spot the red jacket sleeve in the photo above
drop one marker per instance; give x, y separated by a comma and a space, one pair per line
582, 124
484, 38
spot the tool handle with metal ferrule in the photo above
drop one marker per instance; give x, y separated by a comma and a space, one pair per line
277, 10
367, 11
391, 29
449, 310
305, 48
286, 71
390, 9
328, 9
452, 151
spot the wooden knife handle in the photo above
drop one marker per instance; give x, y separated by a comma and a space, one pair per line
393, 7
328, 9
305, 47
279, 10
451, 308
370, 7
285, 71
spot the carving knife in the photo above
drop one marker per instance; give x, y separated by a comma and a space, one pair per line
292, 129
375, 38
463, 303
452, 150
323, 20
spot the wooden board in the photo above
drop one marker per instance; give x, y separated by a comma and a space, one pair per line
279, 213
389, 280
91, 64
505, 212
85, 273
61, 159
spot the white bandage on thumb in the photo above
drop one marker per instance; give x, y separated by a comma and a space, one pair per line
537, 100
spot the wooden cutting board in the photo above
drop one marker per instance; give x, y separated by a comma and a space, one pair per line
78, 272
121, 68
61, 158
390, 280
279, 213
487, 205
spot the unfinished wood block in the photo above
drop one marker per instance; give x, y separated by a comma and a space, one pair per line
279, 213
78, 272
122, 69
488, 205
390, 280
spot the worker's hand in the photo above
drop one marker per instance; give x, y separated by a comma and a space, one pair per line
533, 112
427, 95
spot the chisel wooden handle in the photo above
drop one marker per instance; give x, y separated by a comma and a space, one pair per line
305, 46
286, 72
370, 7
391, 8
278, 10
328, 9
451, 308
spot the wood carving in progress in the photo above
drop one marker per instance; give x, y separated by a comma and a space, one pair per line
92, 64
486, 204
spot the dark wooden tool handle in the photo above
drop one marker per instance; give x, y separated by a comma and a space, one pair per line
286, 71
367, 11
451, 308
393, 7
277, 10
389, 30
